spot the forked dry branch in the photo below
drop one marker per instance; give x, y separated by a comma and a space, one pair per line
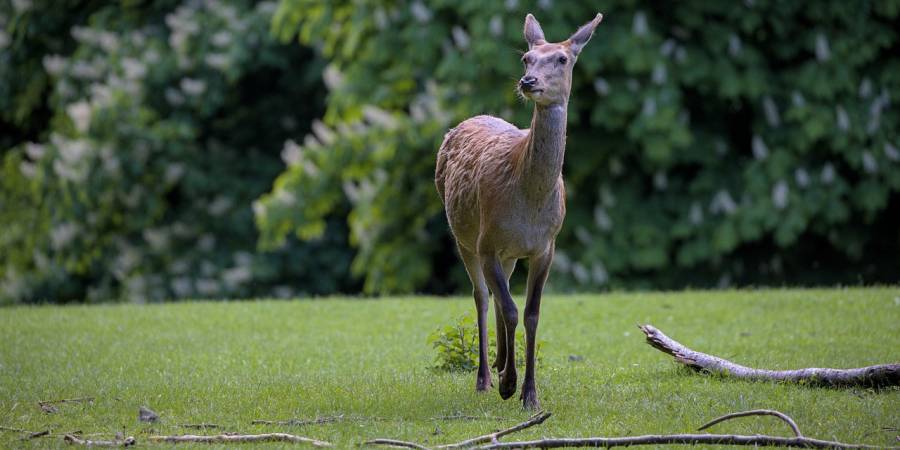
494, 437
882, 375
798, 440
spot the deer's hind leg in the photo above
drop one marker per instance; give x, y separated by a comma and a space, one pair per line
500, 361
482, 298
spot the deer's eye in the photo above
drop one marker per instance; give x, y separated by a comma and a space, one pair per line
562, 60
526, 60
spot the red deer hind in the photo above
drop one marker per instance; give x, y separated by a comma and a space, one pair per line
503, 192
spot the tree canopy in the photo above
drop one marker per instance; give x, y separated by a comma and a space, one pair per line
139, 135
710, 143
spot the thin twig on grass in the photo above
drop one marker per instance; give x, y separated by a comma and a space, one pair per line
393, 443
755, 412
464, 417
49, 406
83, 435
882, 375
881, 430
29, 434
66, 400
199, 426
72, 439
656, 439
536, 419
36, 434
239, 438
300, 422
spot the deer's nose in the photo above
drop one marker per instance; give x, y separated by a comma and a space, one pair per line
528, 81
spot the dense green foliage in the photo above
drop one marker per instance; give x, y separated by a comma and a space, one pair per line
229, 364
135, 138
710, 143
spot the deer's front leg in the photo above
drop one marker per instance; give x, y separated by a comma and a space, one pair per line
538, 269
496, 281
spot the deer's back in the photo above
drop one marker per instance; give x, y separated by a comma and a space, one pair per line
479, 153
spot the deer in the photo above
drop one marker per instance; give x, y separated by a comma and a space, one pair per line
504, 198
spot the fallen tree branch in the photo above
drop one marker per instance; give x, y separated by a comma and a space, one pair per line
494, 437
757, 440
692, 439
239, 438
872, 376
72, 439
14, 430
684, 439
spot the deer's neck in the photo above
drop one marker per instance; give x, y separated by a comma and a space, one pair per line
545, 148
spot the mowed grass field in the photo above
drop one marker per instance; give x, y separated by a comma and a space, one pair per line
229, 363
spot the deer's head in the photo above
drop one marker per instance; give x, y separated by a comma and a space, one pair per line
548, 66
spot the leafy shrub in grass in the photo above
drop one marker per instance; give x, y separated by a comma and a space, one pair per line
457, 346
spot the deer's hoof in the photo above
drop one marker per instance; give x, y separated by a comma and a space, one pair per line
483, 383
530, 400
507, 384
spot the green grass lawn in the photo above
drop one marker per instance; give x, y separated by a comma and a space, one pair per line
233, 362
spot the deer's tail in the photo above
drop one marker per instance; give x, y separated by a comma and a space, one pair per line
441, 165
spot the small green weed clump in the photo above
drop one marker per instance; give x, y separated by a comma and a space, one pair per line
457, 346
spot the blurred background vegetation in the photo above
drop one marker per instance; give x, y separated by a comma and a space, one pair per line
228, 149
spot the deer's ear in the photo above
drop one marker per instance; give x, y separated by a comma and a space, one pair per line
534, 35
581, 37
